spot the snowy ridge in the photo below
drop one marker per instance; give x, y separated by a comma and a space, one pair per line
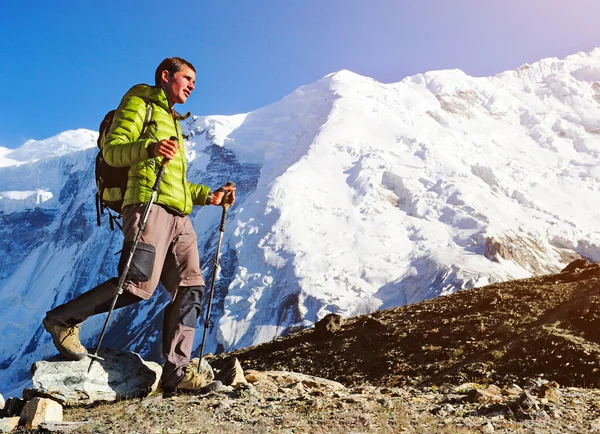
61, 144
415, 189
353, 195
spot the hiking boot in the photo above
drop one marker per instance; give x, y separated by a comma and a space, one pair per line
66, 339
193, 383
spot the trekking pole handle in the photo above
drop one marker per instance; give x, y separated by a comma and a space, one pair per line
225, 206
227, 194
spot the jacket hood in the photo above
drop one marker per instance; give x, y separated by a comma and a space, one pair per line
156, 94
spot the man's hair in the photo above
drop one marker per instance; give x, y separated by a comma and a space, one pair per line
171, 64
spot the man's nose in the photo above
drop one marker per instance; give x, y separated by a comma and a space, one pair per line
192, 85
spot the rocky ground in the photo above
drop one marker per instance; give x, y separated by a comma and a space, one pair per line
518, 357
295, 408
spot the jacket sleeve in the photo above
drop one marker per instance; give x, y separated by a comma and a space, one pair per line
123, 146
199, 193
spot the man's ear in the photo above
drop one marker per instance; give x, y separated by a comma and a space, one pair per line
165, 76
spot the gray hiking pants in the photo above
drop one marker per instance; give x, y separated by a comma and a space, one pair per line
167, 252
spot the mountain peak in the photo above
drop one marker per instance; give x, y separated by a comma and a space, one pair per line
60, 144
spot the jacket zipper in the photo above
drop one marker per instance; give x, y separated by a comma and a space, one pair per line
183, 162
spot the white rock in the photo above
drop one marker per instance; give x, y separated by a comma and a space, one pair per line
7, 424
231, 373
40, 410
122, 374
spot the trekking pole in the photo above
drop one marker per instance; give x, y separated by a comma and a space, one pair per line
216, 268
136, 240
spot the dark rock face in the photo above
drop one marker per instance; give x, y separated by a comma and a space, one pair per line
13, 407
579, 265
328, 326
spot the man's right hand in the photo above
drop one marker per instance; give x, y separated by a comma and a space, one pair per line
164, 148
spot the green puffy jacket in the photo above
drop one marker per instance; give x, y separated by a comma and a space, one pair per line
124, 147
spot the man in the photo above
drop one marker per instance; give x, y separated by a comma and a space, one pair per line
168, 249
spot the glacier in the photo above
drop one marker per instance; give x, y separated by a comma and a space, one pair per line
353, 196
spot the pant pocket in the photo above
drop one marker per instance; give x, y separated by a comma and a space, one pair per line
142, 264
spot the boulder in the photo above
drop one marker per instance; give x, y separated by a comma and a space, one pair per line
550, 392
231, 373
329, 325
40, 410
578, 265
206, 370
12, 407
122, 374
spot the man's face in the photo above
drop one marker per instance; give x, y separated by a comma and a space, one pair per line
180, 85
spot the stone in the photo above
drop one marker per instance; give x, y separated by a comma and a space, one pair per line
481, 396
7, 424
464, 388
13, 407
231, 373
527, 402
329, 325
122, 374
285, 378
513, 389
550, 392
206, 370
40, 410
62, 427
252, 377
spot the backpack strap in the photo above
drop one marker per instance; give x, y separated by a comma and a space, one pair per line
147, 119
99, 207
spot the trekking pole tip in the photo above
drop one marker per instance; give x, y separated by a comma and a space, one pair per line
93, 357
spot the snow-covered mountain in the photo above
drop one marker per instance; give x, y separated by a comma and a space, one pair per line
353, 196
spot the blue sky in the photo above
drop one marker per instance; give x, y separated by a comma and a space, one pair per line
66, 63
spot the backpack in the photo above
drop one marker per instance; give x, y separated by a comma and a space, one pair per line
111, 182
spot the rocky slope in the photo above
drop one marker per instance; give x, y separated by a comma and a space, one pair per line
520, 356
503, 333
